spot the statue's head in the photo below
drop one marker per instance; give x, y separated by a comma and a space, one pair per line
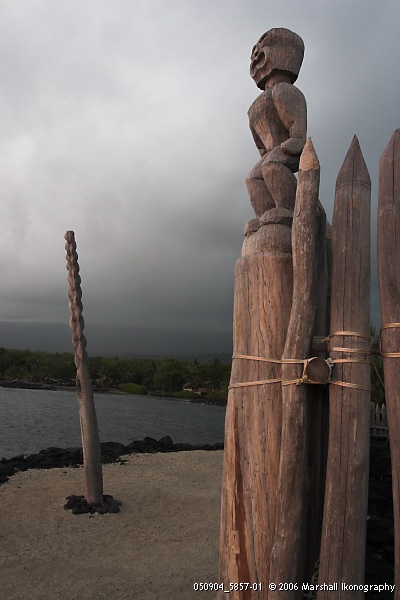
278, 50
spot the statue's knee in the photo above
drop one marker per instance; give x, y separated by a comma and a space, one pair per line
272, 170
254, 182
271, 166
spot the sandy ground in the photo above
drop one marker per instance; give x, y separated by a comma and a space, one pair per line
163, 541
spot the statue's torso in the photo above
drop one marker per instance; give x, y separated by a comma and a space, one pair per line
265, 122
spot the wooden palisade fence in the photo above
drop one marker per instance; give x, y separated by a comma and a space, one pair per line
292, 496
378, 425
389, 287
291, 493
346, 493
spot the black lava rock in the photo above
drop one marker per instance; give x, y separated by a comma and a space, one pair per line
166, 443
140, 446
54, 457
110, 451
379, 556
71, 501
378, 531
79, 505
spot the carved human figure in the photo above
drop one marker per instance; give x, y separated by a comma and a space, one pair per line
278, 120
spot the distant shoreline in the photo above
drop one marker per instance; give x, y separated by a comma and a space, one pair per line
28, 385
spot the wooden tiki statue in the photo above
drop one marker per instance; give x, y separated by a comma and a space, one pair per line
268, 276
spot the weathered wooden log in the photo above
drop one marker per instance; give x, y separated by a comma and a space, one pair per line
92, 469
345, 511
321, 344
389, 286
287, 557
263, 293
318, 401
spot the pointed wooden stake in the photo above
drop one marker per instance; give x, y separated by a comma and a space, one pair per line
92, 470
389, 285
287, 558
345, 511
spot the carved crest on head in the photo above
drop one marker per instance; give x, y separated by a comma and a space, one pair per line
277, 50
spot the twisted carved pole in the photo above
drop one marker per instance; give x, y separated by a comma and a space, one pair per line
92, 470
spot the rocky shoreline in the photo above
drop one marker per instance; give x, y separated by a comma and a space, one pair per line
111, 452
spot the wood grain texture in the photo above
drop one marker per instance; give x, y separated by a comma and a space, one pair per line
263, 292
277, 49
277, 119
345, 511
318, 404
389, 286
320, 344
287, 558
92, 469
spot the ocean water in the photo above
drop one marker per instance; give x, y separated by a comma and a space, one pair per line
31, 420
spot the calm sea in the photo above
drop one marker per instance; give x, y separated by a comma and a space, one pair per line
31, 420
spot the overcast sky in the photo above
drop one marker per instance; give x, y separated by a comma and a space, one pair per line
126, 121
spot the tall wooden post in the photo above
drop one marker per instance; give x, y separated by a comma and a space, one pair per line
389, 285
345, 513
288, 552
263, 297
318, 403
92, 469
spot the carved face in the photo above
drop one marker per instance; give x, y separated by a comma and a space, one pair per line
278, 50
259, 61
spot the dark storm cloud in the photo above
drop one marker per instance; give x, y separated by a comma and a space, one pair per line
126, 122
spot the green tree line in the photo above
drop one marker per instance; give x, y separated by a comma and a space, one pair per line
163, 376
160, 375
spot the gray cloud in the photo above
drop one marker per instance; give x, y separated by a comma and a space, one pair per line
126, 122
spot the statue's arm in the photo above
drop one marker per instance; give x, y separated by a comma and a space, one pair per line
257, 140
291, 107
